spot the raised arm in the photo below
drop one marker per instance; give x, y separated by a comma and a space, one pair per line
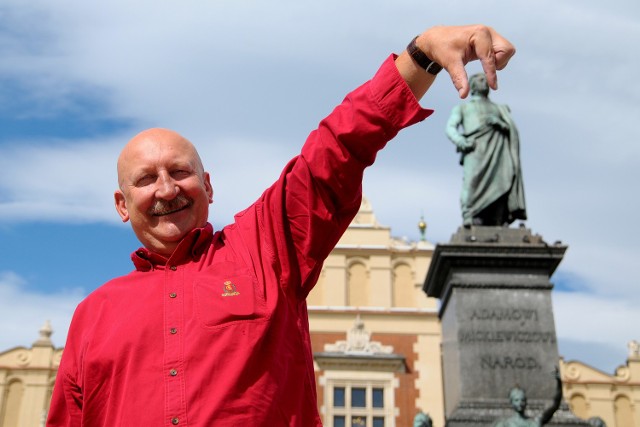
453, 48
322, 188
557, 398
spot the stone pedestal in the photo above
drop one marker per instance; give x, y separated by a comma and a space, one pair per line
497, 322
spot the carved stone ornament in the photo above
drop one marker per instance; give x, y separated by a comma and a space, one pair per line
358, 342
634, 350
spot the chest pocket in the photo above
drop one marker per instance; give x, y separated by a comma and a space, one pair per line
226, 293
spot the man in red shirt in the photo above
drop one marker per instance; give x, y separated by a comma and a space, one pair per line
211, 328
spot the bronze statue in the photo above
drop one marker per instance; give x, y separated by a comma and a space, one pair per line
518, 399
492, 188
422, 420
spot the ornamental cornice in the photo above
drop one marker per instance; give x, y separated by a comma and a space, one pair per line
352, 362
359, 352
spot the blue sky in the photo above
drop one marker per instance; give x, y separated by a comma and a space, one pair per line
246, 81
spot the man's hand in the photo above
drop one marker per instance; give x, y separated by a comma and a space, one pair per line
453, 48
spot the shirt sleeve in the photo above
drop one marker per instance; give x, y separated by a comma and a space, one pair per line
319, 192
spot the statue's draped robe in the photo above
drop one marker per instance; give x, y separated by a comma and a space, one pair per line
492, 169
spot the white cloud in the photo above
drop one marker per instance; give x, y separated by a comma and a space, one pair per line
605, 316
59, 182
593, 321
24, 312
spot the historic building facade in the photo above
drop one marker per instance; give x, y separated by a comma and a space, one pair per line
614, 398
26, 381
376, 342
375, 334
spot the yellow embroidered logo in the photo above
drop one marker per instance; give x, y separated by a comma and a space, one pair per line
229, 289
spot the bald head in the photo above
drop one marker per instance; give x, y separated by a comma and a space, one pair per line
151, 140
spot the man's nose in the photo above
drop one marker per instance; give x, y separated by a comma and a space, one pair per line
167, 188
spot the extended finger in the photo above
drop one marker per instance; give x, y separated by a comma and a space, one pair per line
459, 78
483, 46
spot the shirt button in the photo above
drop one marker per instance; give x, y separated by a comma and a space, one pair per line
173, 268
175, 421
173, 295
173, 372
173, 330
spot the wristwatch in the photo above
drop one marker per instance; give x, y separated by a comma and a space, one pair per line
429, 65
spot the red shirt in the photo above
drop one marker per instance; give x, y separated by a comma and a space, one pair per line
218, 335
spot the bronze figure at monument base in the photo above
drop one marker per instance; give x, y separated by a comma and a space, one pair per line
518, 400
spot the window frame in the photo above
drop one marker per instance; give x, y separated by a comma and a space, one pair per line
367, 380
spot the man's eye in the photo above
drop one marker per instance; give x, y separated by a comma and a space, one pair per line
145, 180
180, 174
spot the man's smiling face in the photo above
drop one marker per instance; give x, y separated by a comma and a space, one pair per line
164, 190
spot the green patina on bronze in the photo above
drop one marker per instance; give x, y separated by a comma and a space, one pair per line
518, 400
486, 136
422, 420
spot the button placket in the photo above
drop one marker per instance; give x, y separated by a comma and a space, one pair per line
173, 357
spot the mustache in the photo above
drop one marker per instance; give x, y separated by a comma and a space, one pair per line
163, 207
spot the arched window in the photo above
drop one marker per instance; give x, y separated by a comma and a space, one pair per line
624, 411
358, 288
403, 288
12, 404
578, 405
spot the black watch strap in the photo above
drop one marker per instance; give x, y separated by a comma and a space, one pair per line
429, 65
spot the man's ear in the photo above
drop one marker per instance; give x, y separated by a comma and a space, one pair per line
121, 205
207, 185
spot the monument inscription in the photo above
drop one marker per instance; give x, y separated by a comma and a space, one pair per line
496, 337
514, 336
505, 313
509, 362
516, 325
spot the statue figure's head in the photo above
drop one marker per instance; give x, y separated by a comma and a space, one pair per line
478, 85
518, 399
422, 420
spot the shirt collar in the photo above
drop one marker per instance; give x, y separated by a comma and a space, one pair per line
192, 246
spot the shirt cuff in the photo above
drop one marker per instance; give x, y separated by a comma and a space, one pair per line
394, 97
